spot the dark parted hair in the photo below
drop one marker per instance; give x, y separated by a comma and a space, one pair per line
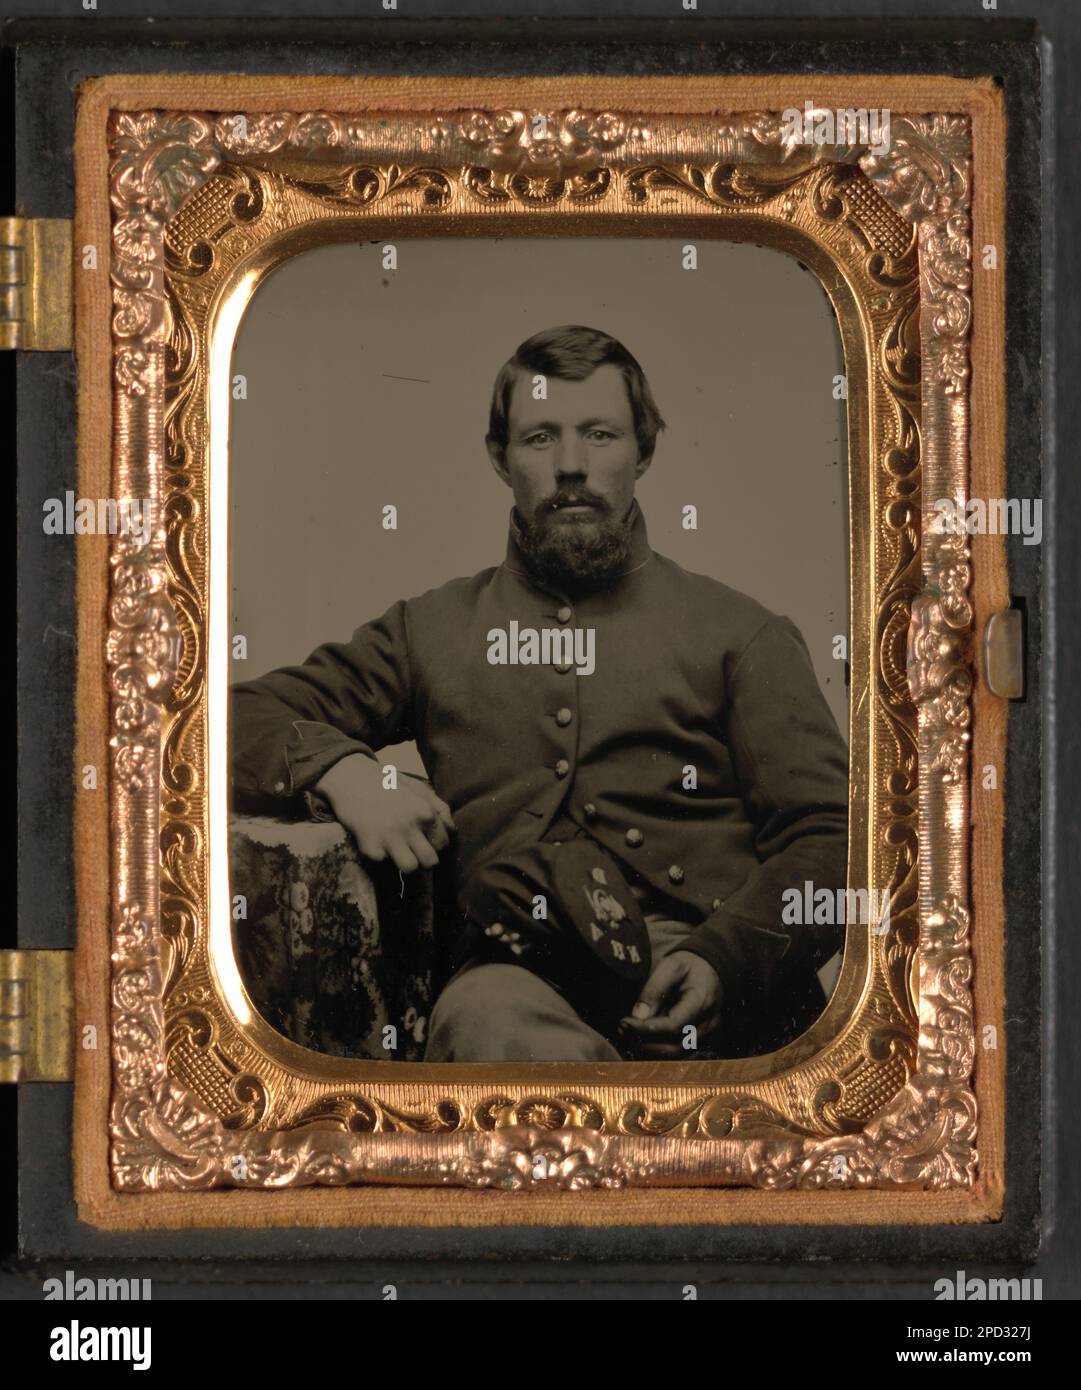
571, 353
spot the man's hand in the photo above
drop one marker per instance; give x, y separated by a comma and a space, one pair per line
410, 824
683, 988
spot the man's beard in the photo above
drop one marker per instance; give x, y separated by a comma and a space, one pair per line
581, 551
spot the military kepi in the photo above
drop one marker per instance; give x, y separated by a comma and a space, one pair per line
566, 912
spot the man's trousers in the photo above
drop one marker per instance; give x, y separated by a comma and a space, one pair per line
506, 1013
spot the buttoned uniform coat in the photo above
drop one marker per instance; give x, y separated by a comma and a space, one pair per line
700, 752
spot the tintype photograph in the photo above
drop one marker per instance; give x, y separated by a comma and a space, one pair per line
544, 657
562, 714
539, 592
545, 742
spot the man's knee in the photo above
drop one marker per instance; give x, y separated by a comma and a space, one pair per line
505, 1013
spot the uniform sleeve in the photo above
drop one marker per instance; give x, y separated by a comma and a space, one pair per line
289, 727
792, 768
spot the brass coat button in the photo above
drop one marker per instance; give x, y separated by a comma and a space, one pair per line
565, 614
564, 717
716, 904
675, 873
562, 667
590, 811
634, 837
562, 767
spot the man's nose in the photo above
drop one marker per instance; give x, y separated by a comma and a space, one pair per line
570, 460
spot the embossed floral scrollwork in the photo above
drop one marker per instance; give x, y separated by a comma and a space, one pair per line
926, 176
516, 1138
159, 158
925, 170
360, 1115
162, 1140
137, 1014
142, 649
941, 684
547, 1112
526, 1158
547, 144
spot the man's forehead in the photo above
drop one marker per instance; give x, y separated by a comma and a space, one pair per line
604, 391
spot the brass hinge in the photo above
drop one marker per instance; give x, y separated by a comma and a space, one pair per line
36, 1009
35, 284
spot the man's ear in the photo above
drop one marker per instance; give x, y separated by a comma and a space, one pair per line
498, 455
642, 464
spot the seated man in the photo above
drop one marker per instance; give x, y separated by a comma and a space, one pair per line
585, 708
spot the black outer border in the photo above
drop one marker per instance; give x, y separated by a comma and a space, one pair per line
51, 58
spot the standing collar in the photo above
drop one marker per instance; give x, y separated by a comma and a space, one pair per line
638, 555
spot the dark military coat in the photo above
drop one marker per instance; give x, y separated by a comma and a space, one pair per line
700, 752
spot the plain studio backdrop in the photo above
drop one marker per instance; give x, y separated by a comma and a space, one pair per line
368, 387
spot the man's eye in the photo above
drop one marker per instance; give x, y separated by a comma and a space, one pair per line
601, 436
539, 439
